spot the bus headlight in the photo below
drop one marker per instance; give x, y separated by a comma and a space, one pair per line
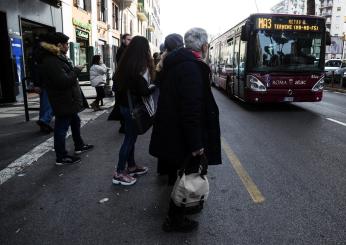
254, 84
318, 86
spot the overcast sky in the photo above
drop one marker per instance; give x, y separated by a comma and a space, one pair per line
216, 16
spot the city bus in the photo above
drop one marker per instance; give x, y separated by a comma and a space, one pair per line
271, 58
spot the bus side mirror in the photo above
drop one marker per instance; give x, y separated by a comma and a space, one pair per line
245, 32
328, 38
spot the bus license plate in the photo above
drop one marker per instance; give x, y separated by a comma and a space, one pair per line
288, 99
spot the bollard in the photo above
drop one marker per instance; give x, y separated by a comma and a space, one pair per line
332, 79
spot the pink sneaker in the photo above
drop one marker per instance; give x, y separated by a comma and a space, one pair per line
139, 170
123, 179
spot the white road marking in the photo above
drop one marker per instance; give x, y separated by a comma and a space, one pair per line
336, 121
32, 156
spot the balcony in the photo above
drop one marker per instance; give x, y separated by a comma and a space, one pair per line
141, 13
325, 14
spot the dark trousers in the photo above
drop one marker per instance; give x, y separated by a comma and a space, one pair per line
46, 111
127, 150
60, 130
100, 94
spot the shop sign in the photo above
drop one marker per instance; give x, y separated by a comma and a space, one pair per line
82, 34
80, 24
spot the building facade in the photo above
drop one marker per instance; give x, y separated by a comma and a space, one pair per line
290, 7
94, 27
335, 13
21, 23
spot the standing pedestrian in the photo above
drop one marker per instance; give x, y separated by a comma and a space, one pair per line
60, 80
187, 119
134, 75
172, 42
125, 41
46, 112
98, 72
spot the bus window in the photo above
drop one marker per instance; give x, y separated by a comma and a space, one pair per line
236, 51
283, 50
242, 58
230, 53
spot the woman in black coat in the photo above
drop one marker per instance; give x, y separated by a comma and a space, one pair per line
187, 117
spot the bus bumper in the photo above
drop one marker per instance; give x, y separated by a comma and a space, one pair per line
270, 96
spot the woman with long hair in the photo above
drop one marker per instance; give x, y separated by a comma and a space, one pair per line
134, 75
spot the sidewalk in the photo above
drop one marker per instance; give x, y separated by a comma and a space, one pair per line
17, 137
335, 88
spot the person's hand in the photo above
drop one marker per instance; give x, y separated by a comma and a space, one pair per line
198, 152
152, 87
80, 67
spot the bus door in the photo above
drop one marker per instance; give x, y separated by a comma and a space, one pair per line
241, 69
231, 67
236, 66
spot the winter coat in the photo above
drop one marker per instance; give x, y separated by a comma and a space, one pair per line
138, 87
98, 75
60, 80
120, 53
187, 117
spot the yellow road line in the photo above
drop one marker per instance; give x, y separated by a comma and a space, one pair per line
251, 187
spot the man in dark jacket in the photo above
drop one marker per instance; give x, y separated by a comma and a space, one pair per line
187, 117
125, 41
60, 80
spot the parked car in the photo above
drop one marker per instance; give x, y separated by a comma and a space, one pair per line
338, 67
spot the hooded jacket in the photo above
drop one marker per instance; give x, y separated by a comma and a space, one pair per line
98, 75
60, 80
187, 117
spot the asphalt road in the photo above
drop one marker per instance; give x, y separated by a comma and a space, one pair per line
282, 181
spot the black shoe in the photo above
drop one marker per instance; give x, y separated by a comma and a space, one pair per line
45, 128
185, 225
82, 149
67, 160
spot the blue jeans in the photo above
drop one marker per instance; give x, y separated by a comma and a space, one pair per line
46, 112
127, 150
60, 130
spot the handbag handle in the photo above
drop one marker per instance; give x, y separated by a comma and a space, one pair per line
202, 165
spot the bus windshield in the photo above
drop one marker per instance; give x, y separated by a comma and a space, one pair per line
286, 51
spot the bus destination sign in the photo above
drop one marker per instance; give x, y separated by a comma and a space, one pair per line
283, 24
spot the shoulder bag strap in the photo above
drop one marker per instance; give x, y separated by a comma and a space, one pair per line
129, 99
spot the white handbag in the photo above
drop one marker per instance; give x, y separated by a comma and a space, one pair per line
191, 189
